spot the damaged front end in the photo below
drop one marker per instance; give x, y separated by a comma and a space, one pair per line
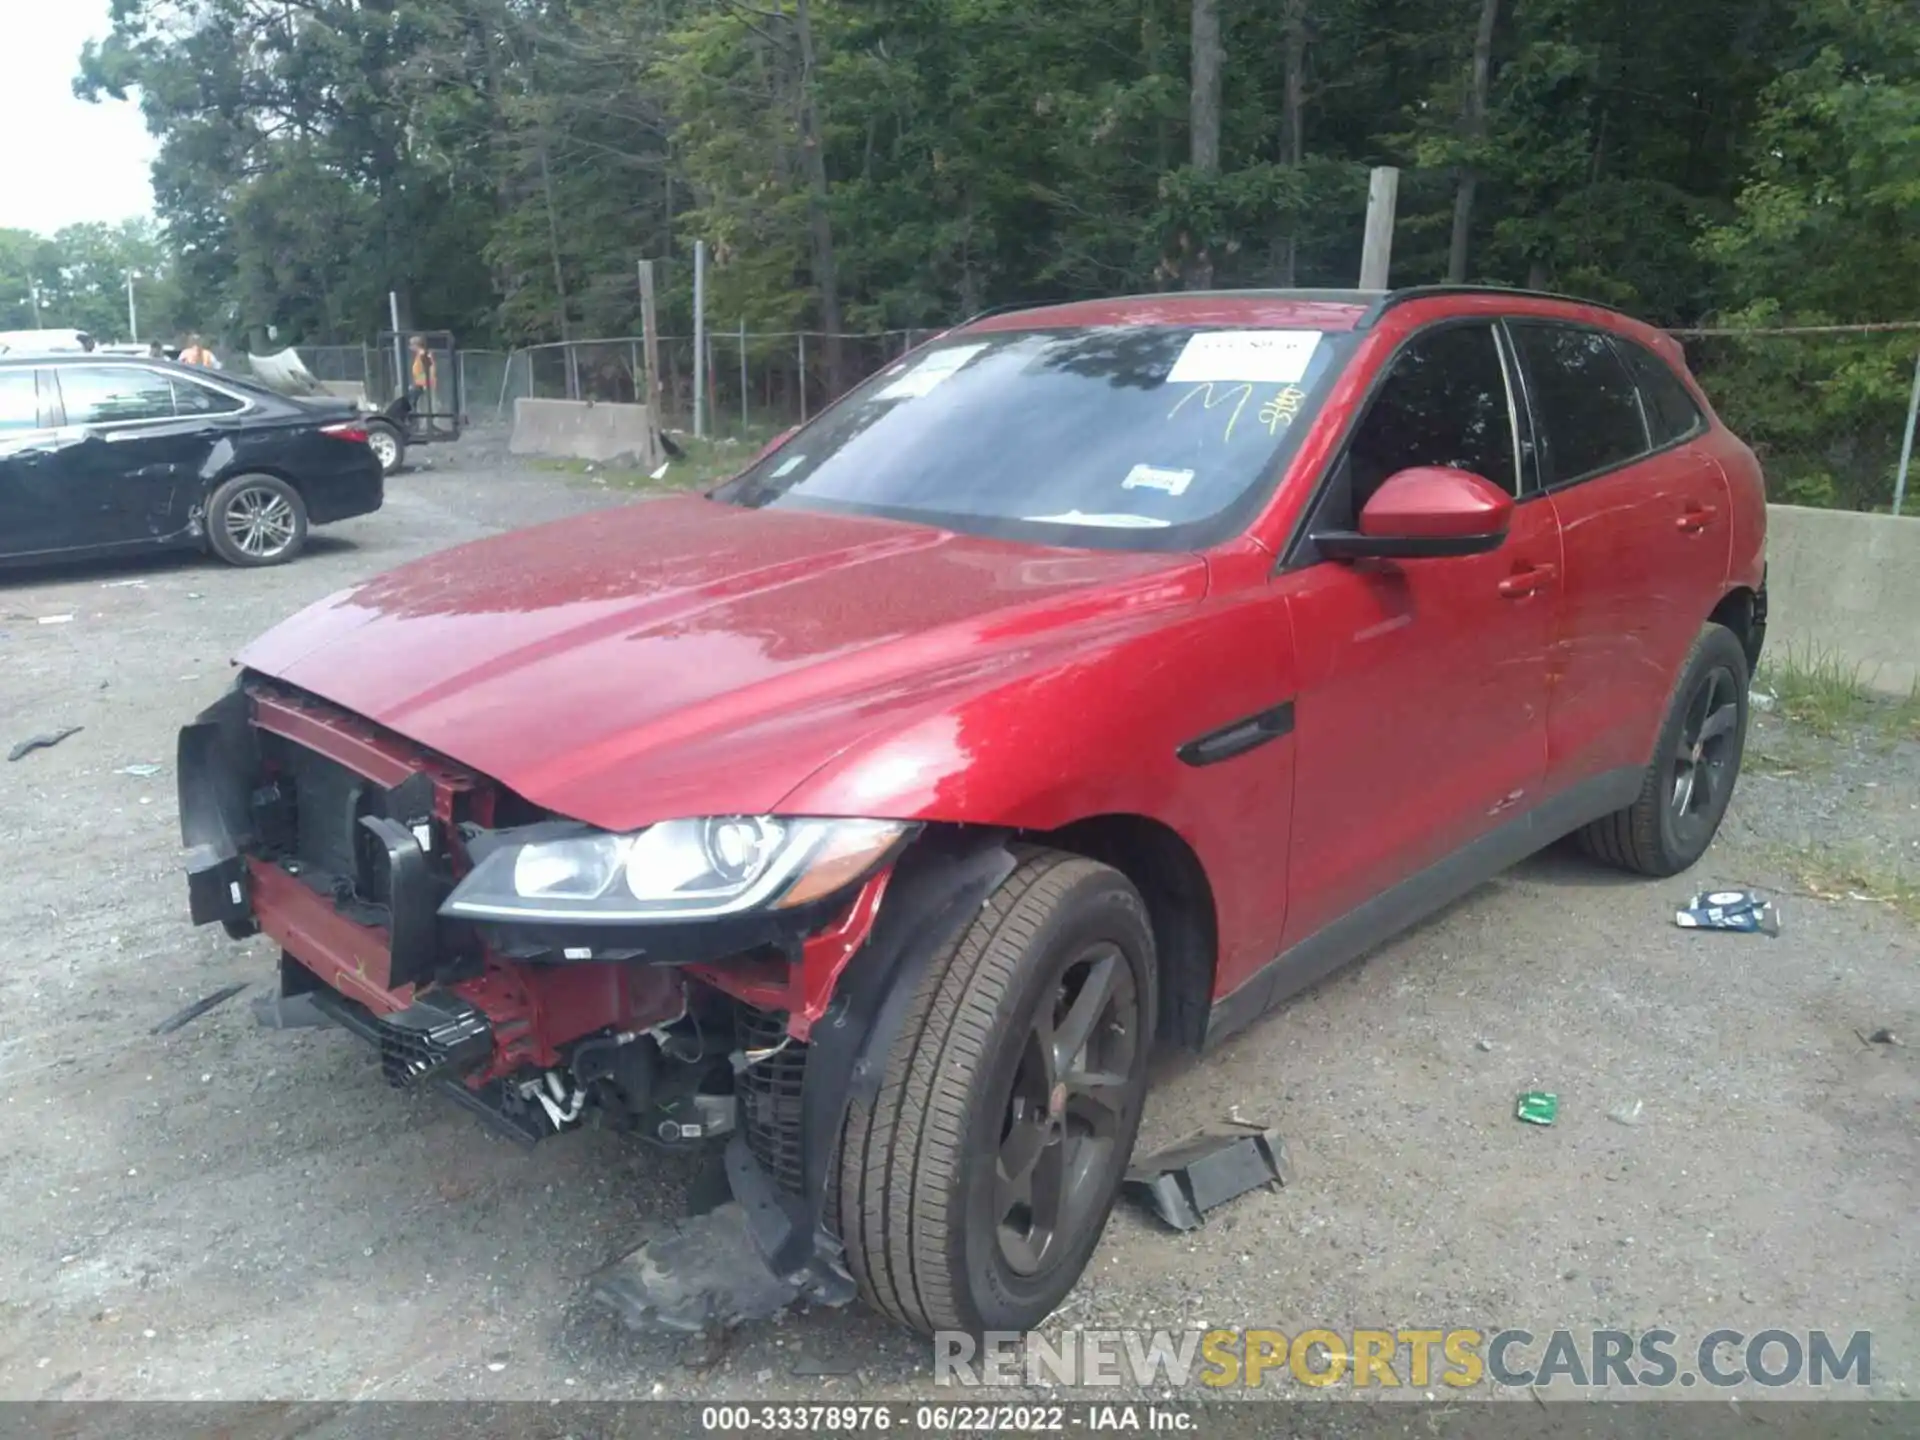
396, 884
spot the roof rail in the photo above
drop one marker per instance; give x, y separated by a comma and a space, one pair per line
1427, 292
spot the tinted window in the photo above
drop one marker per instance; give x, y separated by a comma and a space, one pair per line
1443, 403
192, 399
1671, 413
97, 396
1583, 398
1137, 437
19, 403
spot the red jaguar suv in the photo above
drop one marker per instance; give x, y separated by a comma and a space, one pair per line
1094, 678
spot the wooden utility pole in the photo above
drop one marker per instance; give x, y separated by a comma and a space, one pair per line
650, 341
1376, 249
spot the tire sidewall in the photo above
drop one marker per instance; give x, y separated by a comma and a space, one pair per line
225, 549
391, 433
1102, 907
1719, 648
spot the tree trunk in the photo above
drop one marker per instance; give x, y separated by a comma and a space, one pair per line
1474, 127
1293, 145
553, 241
826, 278
1204, 119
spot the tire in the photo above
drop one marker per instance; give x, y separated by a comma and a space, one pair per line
917, 1190
256, 520
389, 446
1669, 827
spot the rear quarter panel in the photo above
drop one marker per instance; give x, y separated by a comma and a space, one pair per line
337, 478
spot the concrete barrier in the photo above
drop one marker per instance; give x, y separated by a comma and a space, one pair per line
354, 390
584, 430
1845, 586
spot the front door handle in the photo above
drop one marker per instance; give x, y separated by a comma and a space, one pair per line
1696, 518
1530, 581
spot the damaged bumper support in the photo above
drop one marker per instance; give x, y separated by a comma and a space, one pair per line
490, 1014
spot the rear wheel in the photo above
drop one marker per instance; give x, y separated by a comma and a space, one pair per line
389, 446
972, 1193
256, 520
1695, 764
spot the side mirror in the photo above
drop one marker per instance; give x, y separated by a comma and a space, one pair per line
1428, 512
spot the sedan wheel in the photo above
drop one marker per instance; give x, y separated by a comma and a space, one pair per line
256, 520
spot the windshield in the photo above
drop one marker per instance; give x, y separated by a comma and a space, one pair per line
1130, 438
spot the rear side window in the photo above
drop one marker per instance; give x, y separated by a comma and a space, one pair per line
1583, 398
1671, 413
101, 395
1444, 402
19, 401
192, 399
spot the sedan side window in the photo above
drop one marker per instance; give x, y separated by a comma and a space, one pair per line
19, 401
1444, 403
1583, 399
192, 399
103, 395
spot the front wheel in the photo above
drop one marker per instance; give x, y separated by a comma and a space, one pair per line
971, 1194
1696, 760
256, 520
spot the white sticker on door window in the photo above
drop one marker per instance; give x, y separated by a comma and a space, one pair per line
1153, 477
1275, 357
940, 366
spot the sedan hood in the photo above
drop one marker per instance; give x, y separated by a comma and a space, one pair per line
681, 656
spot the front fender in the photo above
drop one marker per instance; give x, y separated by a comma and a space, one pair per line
938, 886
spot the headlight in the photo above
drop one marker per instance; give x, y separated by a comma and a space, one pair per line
679, 869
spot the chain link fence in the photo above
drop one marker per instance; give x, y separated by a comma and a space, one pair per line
755, 380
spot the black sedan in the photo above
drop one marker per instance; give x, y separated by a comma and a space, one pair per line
104, 456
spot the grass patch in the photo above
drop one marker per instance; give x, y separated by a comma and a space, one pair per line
1837, 875
1819, 691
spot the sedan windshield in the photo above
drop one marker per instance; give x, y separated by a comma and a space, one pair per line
1124, 438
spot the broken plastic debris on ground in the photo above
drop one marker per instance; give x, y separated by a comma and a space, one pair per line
1741, 910
1537, 1107
1182, 1182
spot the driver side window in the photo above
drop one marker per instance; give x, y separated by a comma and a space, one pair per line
1445, 402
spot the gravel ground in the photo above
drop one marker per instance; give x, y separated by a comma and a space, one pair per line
226, 1212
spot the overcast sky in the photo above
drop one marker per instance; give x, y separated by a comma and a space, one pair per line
61, 159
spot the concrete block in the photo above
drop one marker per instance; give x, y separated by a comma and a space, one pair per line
1846, 585
584, 430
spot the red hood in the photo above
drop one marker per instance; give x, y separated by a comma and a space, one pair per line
681, 657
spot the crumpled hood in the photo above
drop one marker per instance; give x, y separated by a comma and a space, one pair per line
681, 656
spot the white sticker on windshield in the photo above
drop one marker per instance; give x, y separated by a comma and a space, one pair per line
940, 366
1152, 477
1112, 522
788, 466
1276, 357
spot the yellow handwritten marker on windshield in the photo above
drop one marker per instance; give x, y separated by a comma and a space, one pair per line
1281, 409
1204, 389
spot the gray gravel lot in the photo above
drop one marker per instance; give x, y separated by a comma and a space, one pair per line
226, 1212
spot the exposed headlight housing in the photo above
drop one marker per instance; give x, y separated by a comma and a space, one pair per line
676, 870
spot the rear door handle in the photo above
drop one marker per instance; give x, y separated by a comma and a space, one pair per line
1696, 519
1530, 581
